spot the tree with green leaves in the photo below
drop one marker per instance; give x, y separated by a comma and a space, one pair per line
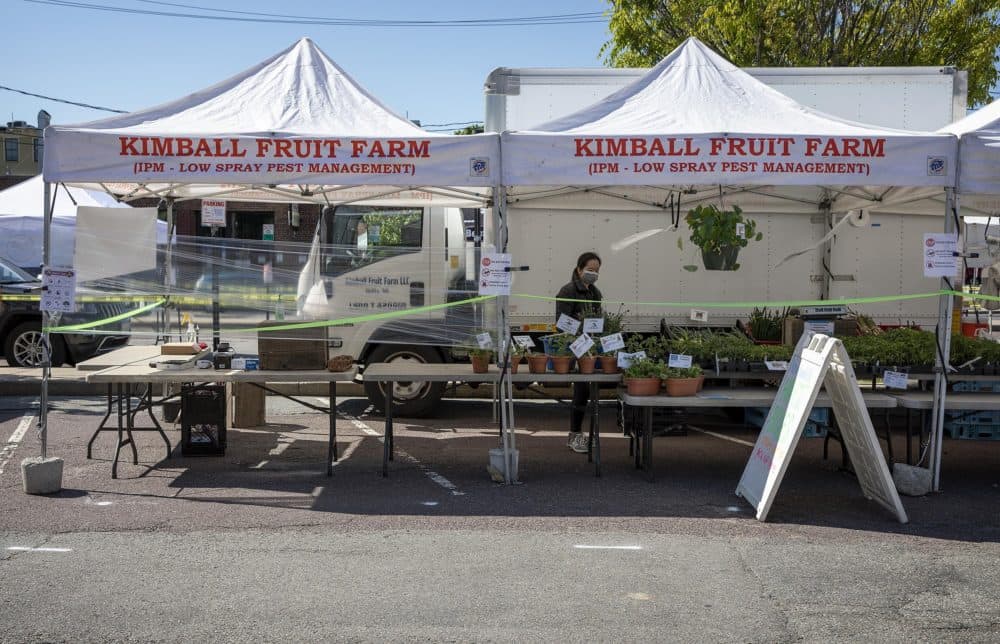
470, 129
815, 33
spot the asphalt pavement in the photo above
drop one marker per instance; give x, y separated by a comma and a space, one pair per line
259, 545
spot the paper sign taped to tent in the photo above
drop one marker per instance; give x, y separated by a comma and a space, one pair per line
494, 274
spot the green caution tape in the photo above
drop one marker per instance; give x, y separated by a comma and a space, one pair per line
111, 320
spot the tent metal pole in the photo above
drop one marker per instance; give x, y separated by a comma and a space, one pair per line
43, 398
941, 361
503, 334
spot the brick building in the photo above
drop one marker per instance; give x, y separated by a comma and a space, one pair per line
21, 150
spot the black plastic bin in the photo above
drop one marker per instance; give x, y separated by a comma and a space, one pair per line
203, 420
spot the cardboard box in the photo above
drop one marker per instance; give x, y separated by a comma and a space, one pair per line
291, 349
179, 349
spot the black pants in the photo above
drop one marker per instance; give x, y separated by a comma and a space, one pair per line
581, 396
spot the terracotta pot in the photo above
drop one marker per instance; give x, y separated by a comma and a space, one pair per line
609, 364
514, 361
561, 364
537, 362
587, 364
682, 386
642, 386
701, 382
480, 364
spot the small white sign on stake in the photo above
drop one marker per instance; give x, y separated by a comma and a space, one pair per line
593, 325
566, 324
625, 359
894, 379
58, 289
612, 342
581, 345
699, 315
679, 360
741, 230
485, 340
523, 341
825, 327
776, 365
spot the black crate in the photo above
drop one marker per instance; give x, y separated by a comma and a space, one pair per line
203, 420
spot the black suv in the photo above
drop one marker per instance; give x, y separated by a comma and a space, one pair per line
21, 323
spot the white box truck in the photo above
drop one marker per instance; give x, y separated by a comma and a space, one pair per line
883, 259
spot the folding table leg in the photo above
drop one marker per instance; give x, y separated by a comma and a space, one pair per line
118, 447
100, 426
647, 431
331, 451
130, 424
595, 427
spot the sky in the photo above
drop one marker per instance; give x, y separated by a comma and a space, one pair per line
124, 60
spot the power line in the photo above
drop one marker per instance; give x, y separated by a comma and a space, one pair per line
257, 17
62, 100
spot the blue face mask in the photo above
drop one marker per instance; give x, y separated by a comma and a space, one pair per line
589, 277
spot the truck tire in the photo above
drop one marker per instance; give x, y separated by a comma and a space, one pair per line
411, 399
23, 346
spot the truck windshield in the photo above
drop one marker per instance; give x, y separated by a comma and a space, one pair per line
362, 235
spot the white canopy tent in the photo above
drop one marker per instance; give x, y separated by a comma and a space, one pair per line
697, 126
22, 221
295, 128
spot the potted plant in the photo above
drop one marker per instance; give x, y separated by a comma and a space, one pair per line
643, 377
609, 362
766, 327
588, 361
537, 362
517, 353
718, 234
684, 382
480, 359
561, 356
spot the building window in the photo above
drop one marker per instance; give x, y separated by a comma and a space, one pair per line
10, 150
37, 149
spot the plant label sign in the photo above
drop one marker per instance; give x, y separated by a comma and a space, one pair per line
894, 380
776, 365
819, 326
581, 345
699, 315
523, 341
566, 324
485, 340
625, 359
741, 230
593, 325
679, 360
612, 342
494, 274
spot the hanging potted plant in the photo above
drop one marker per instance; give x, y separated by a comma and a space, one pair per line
561, 356
643, 377
684, 382
720, 234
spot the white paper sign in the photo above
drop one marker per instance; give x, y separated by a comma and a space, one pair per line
894, 379
566, 324
612, 342
776, 365
593, 325
581, 345
267, 232
485, 340
699, 315
625, 359
679, 360
58, 289
819, 326
940, 258
213, 212
494, 278
741, 230
523, 341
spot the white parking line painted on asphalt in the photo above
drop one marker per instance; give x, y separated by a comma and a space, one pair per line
587, 547
432, 475
722, 436
30, 549
15, 439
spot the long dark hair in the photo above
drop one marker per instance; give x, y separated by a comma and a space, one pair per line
582, 260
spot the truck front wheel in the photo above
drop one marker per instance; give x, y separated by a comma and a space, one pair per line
412, 399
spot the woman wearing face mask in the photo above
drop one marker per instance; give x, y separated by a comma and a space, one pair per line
580, 287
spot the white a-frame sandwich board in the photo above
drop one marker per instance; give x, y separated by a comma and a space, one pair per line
818, 360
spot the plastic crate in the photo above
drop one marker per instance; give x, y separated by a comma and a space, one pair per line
975, 432
976, 386
815, 426
973, 417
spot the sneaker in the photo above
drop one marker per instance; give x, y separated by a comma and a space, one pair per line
569, 439
579, 443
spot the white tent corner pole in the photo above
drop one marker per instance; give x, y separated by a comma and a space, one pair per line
43, 396
945, 312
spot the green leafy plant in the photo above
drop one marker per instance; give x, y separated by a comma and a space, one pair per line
717, 233
477, 352
689, 372
765, 325
613, 321
645, 368
559, 344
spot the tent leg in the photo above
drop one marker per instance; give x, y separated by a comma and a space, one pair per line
945, 310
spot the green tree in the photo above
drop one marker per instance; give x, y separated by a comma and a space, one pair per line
815, 33
471, 129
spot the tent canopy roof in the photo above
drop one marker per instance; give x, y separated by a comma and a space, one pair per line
296, 120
